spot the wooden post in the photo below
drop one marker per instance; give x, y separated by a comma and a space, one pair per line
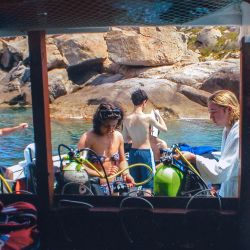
245, 146
42, 133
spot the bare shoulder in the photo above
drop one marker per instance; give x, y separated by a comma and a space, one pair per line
128, 117
87, 136
118, 134
149, 117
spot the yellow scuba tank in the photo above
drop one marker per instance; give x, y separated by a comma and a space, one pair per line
167, 180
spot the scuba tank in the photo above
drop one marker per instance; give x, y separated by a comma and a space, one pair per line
73, 178
73, 171
168, 179
177, 178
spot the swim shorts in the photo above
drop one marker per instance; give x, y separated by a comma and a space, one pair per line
141, 173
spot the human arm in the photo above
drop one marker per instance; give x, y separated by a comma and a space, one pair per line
86, 142
6, 131
123, 164
160, 124
227, 167
125, 133
159, 117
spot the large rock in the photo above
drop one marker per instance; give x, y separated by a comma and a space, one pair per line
162, 94
13, 52
77, 48
208, 36
104, 78
146, 46
59, 84
142, 72
15, 86
192, 75
225, 78
195, 95
54, 57
82, 72
3, 75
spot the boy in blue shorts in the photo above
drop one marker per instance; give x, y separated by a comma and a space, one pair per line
136, 129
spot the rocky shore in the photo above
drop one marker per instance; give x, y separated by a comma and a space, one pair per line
177, 67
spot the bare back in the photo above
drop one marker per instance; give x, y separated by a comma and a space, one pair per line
136, 128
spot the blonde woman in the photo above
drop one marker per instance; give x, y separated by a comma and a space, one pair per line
223, 108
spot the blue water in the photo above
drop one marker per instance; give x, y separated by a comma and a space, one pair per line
194, 132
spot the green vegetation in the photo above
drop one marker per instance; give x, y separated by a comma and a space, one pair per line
226, 44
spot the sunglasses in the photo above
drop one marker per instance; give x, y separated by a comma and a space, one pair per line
110, 114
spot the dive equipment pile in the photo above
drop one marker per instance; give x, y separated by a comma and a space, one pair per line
177, 177
172, 178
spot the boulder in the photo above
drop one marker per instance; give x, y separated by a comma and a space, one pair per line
3, 75
59, 83
195, 74
82, 72
162, 94
54, 57
192, 75
104, 78
13, 51
77, 48
146, 46
225, 78
195, 95
208, 37
19, 99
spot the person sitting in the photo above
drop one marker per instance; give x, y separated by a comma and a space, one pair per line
9, 130
157, 144
107, 142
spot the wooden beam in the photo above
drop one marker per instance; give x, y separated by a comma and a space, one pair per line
41, 121
245, 146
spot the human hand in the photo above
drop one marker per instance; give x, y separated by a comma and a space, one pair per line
114, 170
22, 126
129, 180
188, 156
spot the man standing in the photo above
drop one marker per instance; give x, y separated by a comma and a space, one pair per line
136, 129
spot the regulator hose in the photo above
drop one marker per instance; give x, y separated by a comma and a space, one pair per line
85, 162
191, 167
5, 183
104, 171
59, 153
121, 171
72, 154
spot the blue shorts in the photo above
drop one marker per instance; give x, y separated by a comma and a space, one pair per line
142, 173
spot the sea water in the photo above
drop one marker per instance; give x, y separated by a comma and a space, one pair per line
195, 132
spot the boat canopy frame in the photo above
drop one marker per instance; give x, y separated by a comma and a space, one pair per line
45, 198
